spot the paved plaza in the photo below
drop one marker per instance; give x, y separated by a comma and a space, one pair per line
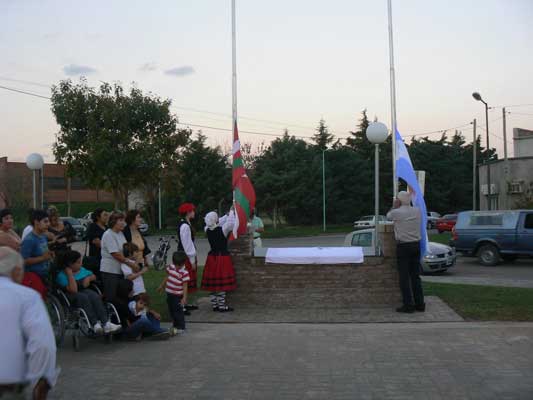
309, 361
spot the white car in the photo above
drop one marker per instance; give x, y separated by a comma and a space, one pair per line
368, 221
439, 258
432, 219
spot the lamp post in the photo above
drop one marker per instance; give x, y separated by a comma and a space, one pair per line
324, 190
35, 162
376, 133
477, 96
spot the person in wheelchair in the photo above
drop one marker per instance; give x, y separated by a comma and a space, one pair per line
76, 282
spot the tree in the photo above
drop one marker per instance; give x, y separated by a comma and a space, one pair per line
205, 177
358, 140
114, 140
322, 138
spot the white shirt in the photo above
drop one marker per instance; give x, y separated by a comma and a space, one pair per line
26, 231
187, 243
407, 222
138, 283
133, 309
27, 343
112, 242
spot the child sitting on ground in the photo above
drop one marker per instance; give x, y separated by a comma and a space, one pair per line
176, 286
130, 251
76, 280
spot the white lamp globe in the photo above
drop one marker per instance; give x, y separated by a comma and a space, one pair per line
377, 132
35, 161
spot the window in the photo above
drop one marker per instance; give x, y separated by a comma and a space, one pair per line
77, 184
55, 183
487, 219
528, 223
494, 202
362, 239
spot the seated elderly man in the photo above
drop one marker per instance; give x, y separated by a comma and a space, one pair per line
27, 345
407, 221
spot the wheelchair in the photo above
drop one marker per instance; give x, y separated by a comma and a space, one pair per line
77, 322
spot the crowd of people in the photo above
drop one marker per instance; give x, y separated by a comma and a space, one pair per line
115, 259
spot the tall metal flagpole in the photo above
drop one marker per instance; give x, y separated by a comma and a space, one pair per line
392, 100
233, 75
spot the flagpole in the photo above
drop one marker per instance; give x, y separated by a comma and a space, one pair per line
392, 99
233, 75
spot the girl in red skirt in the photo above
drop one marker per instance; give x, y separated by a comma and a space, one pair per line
219, 275
186, 244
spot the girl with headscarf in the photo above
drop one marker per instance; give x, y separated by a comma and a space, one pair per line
219, 274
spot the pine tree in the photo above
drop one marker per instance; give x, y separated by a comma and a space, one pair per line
322, 138
358, 141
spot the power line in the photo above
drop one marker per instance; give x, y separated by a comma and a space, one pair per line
24, 92
240, 131
5, 78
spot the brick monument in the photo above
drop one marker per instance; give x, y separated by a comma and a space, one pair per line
372, 283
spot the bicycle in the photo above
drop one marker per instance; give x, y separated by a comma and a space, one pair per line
160, 256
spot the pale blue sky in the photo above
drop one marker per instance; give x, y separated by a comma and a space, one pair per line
298, 61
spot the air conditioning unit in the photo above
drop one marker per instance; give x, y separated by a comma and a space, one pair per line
493, 189
515, 188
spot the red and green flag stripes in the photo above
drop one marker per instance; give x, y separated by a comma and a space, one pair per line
243, 190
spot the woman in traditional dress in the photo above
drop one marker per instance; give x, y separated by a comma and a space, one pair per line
219, 274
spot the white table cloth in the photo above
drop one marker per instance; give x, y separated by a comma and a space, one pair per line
315, 255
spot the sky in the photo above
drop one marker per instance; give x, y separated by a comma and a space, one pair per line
297, 61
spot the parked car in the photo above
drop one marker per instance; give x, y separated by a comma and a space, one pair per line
369, 221
446, 223
81, 230
87, 219
432, 218
438, 259
494, 235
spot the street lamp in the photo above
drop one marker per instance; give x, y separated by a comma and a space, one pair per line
324, 190
477, 96
376, 133
35, 162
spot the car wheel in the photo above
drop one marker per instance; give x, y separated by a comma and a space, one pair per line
488, 255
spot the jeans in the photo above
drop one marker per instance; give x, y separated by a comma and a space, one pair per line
110, 282
91, 303
146, 324
409, 269
175, 309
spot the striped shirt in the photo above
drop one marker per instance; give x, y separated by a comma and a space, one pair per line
175, 279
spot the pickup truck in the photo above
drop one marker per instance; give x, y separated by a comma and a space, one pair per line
494, 235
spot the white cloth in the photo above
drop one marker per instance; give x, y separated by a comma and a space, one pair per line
138, 283
211, 220
27, 344
187, 243
227, 223
26, 231
315, 255
112, 242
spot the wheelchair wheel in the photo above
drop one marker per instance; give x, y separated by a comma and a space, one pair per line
57, 317
159, 261
113, 314
84, 325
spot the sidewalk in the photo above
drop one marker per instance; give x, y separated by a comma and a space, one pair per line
432, 361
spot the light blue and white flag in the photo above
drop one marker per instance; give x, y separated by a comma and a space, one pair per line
405, 171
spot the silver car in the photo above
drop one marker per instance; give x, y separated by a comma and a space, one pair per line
439, 258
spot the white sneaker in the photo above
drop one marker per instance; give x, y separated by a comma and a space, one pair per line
97, 328
173, 331
111, 328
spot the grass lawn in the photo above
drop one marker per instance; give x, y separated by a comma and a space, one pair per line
152, 280
485, 303
443, 238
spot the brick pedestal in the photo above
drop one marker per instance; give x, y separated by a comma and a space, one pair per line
372, 283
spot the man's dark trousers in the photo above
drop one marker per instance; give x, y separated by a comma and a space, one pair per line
408, 255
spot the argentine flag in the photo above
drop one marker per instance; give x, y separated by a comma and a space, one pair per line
405, 171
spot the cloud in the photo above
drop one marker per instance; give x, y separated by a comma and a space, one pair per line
149, 66
180, 71
74, 69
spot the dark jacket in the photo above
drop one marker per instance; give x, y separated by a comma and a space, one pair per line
127, 235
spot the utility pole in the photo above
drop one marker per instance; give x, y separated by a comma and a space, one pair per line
474, 169
505, 162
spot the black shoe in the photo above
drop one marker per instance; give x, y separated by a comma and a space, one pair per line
215, 309
225, 309
191, 307
406, 309
420, 307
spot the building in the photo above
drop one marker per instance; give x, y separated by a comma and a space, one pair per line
511, 180
16, 186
